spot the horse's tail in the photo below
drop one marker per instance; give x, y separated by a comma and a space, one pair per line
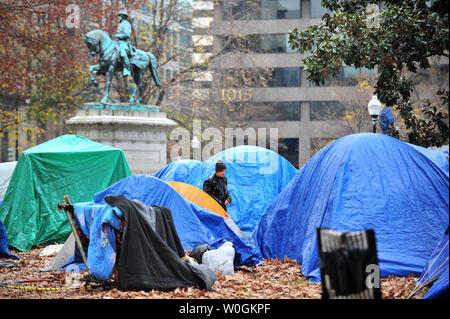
154, 69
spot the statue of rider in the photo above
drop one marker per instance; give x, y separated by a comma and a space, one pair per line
123, 45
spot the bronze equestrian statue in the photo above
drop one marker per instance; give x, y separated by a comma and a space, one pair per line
119, 55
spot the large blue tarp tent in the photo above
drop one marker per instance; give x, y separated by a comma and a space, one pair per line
255, 178
361, 181
195, 225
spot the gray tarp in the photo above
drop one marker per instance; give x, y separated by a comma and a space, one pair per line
6, 171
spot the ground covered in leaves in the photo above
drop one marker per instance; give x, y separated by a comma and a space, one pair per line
275, 279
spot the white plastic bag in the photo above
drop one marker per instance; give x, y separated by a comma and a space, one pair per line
51, 250
221, 259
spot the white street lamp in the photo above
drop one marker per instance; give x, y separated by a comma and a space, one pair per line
195, 142
374, 107
196, 148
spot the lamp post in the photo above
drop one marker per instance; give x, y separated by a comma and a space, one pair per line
195, 143
374, 107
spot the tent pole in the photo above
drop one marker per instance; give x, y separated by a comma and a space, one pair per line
68, 209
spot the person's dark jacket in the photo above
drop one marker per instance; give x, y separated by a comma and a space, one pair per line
217, 188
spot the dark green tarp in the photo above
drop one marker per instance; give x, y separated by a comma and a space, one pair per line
68, 164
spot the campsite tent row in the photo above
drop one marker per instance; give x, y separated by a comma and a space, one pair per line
361, 181
78, 167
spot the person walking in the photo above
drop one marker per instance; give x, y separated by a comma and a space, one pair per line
217, 186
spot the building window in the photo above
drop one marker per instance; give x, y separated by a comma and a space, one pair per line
257, 43
275, 43
317, 11
316, 144
241, 10
289, 149
326, 110
352, 75
276, 111
284, 77
248, 43
280, 9
257, 77
261, 10
348, 76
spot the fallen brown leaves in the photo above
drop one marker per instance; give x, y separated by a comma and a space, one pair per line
275, 279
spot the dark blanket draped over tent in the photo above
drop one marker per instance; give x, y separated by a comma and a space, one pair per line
151, 250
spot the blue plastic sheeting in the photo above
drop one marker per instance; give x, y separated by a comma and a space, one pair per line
386, 119
438, 157
195, 225
255, 177
4, 252
358, 182
97, 222
440, 289
437, 267
186, 171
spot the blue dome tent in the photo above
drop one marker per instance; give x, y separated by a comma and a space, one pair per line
255, 177
361, 181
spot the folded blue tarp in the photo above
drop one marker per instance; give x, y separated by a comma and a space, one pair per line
195, 225
358, 182
97, 224
255, 177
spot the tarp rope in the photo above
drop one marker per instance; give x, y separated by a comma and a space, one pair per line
433, 277
13, 285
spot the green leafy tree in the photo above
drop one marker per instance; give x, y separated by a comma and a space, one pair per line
398, 39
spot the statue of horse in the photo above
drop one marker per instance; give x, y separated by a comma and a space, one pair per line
100, 43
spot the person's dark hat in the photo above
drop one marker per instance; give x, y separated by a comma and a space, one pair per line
220, 166
123, 13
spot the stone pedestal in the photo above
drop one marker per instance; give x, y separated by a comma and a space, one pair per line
139, 130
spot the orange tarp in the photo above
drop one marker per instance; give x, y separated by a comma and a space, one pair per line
199, 197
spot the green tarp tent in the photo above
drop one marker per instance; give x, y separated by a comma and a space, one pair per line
68, 164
